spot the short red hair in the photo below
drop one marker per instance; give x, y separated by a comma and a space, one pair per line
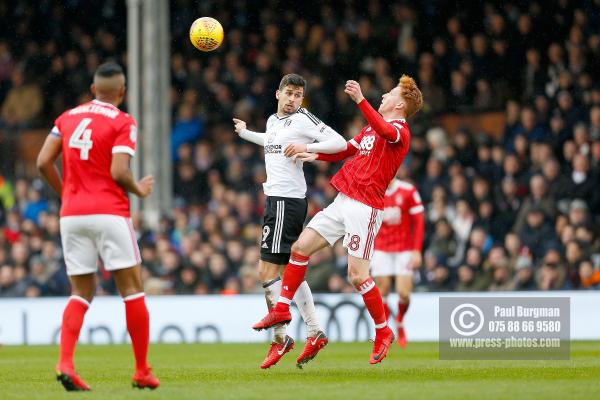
411, 94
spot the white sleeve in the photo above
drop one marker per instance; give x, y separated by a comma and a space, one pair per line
328, 141
55, 132
254, 137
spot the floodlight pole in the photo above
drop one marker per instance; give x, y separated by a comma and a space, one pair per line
149, 83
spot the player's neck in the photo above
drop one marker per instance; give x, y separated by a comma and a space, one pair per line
113, 102
393, 115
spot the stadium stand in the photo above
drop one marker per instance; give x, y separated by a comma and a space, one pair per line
506, 154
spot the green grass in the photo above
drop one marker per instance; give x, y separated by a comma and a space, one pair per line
205, 371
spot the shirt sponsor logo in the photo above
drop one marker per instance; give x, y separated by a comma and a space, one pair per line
273, 149
366, 145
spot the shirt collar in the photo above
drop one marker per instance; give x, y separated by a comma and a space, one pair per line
103, 103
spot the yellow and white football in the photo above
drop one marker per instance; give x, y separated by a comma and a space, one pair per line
206, 34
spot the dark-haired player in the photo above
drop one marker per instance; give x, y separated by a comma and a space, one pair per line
291, 129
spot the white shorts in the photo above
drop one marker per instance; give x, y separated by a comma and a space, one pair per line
356, 222
85, 237
391, 263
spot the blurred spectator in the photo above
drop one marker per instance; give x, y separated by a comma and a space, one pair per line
518, 211
538, 198
537, 232
23, 103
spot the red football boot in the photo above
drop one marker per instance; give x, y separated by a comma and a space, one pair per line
311, 348
273, 318
70, 380
145, 379
276, 351
383, 339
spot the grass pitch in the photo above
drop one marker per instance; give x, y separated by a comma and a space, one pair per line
342, 370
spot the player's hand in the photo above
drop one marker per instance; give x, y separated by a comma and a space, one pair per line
304, 157
416, 260
145, 185
353, 90
239, 125
293, 149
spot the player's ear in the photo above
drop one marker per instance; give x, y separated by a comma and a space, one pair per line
277, 93
93, 89
400, 106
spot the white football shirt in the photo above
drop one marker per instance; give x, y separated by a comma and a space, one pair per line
285, 177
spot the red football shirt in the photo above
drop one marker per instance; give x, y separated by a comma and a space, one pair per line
90, 134
403, 223
366, 176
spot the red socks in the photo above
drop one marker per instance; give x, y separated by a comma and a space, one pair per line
387, 310
402, 308
373, 302
292, 278
138, 325
69, 333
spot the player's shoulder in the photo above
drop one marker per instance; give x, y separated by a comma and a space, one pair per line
271, 120
399, 185
404, 185
126, 118
400, 124
398, 121
306, 116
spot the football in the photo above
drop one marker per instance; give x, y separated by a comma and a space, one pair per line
206, 34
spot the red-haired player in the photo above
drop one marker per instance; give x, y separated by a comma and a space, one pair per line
398, 247
356, 213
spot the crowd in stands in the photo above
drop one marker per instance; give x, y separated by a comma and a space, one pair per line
515, 212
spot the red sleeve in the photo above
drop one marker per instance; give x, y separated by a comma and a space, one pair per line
126, 138
351, 149
390, 132
418, 223
417, 215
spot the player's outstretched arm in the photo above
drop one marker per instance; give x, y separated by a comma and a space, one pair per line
254, 137
380, 126
342, 155
46, 162
121, 173
327, 140
333, 143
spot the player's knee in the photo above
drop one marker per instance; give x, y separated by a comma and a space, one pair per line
85, 294
383, 288
355, 277
298, 248
404, 296
267, 272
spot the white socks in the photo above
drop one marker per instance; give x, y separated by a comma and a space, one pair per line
303, 299
306, 305
272, 291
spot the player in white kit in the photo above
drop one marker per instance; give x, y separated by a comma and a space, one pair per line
292, 129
